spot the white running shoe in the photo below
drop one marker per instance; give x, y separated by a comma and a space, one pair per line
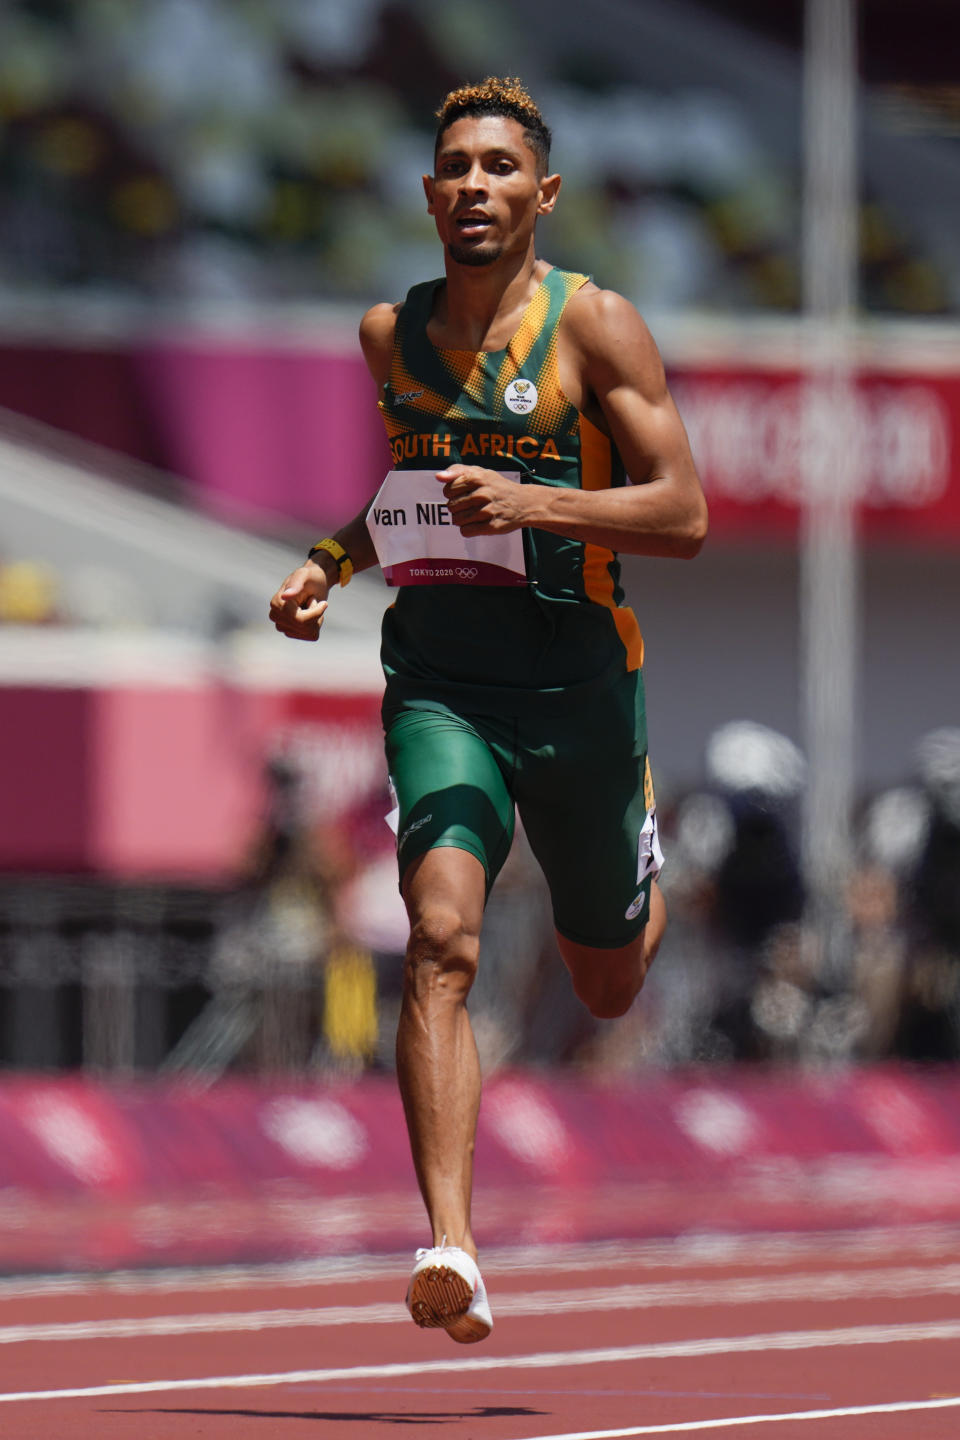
447, 1292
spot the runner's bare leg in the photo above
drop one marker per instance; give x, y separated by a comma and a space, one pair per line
437, 1064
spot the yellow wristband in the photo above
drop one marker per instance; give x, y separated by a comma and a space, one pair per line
334, 548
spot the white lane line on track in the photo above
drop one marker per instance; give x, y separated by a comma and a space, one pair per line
900, 1407
822, 1287
546, 1360
755, 1249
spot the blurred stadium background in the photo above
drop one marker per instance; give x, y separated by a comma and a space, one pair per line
197, 200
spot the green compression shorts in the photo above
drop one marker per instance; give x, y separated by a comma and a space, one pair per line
579, 778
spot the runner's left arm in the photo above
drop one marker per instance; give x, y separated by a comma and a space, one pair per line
663, 510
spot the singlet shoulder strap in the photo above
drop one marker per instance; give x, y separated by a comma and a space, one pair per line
532, 350
417, 308
416, 369
414, 356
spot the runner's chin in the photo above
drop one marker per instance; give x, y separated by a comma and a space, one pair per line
474, 254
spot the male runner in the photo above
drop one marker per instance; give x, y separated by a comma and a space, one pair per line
513, 675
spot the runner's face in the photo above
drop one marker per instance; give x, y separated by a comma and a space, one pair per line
485, 196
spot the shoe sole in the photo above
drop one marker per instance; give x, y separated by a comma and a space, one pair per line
439, 1297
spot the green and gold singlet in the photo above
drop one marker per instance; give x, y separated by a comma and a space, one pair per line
567, 630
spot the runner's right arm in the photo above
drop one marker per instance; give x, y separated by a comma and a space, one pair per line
298, 607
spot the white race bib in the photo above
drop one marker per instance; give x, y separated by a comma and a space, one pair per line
417, 542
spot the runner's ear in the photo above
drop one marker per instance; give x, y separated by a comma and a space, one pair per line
549, 190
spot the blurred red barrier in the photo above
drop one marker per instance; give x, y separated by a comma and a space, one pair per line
96, 1174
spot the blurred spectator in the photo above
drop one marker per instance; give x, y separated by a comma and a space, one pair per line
757, 890
937, 877
905, 907
929, 1023
760, 775
878, 954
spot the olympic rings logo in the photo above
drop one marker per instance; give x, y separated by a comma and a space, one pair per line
466, 572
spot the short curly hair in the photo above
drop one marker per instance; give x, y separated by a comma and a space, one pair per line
499, 96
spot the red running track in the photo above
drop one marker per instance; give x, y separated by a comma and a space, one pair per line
795, 1337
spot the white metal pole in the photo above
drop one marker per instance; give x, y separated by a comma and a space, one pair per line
829, 560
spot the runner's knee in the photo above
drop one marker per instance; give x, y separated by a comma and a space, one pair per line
606, 981
611, 997
442, 951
